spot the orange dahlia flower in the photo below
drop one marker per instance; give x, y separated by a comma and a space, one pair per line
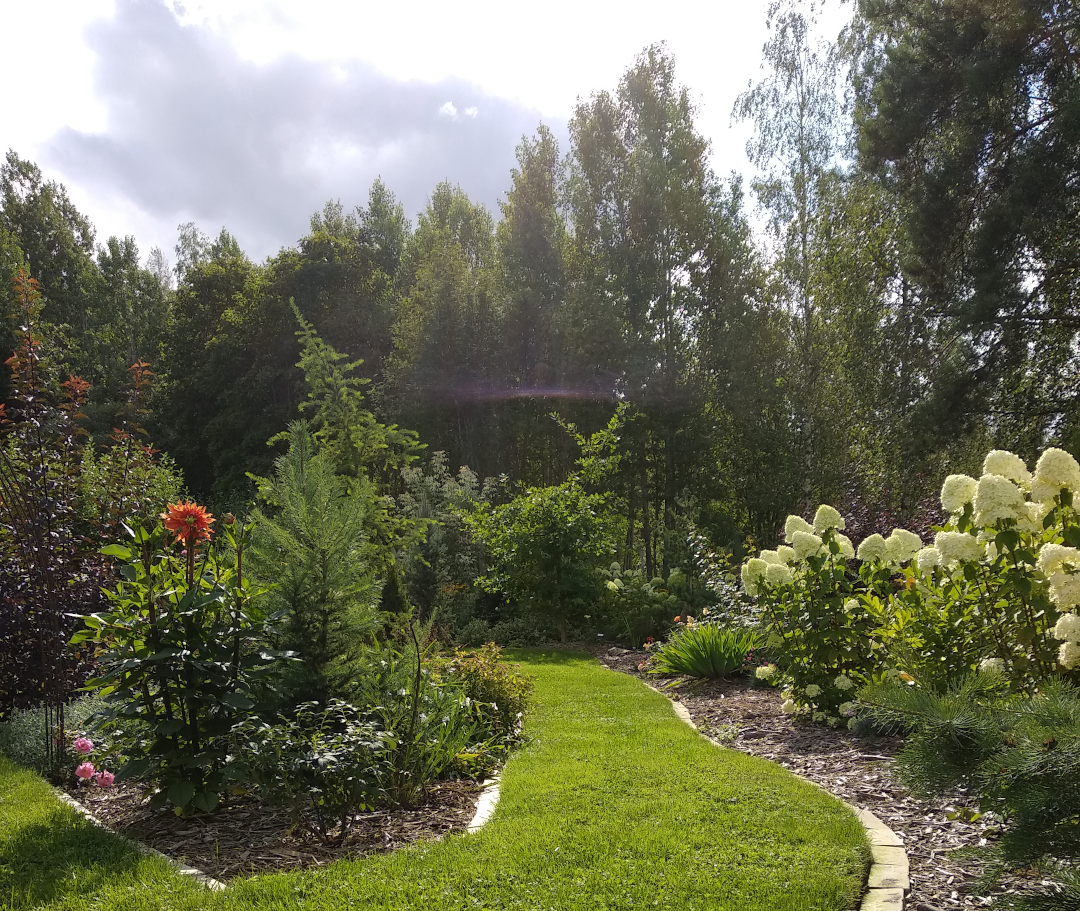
189, 522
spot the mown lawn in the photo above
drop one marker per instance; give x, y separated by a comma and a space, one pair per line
612, 804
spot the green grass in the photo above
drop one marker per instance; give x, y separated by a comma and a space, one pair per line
612, 804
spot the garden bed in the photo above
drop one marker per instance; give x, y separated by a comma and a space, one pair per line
746, 716
247, 836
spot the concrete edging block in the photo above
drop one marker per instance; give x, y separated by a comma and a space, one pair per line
485, 807
180, 867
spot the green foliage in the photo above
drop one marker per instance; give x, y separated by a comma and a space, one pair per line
437, 729
309, 549
636, 608
546, 546
501, 691
706, 650
181, 661
1019, 754
326, 760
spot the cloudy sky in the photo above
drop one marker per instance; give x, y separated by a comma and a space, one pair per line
250, 115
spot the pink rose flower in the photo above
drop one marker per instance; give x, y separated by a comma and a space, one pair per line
85, 771
83, 745
104, 779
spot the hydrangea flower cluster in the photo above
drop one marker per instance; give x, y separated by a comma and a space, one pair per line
1068, 629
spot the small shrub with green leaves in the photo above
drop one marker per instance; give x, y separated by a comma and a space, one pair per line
705, 650
635, 607
500, 693
327, 763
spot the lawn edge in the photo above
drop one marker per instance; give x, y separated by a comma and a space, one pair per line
888, 880
183, 869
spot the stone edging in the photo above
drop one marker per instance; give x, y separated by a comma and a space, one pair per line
489, 797
180, 867
888, 881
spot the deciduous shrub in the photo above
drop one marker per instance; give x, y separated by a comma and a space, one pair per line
500, 693
326, 762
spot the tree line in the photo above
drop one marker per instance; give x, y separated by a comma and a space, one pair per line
909, 302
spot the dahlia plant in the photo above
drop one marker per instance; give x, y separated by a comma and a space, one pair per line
180, 648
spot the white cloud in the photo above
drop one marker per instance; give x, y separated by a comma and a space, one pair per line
448, 110
472, 111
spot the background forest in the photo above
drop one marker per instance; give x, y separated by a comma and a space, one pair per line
637, 365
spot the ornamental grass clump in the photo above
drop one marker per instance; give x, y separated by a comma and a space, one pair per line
705, 650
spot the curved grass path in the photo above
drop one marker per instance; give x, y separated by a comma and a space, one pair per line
613, 804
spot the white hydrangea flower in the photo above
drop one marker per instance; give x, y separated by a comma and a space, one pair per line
789, 707
926, 559
992, 664
1069, 655
997, 498
843, 683
813, 690
1065, 589
852, 605
765, 672
769, 556
827, 517
1008, 465
777, 574
852, 724
786, 554
957, 491
794, 524
753, 574
902, 545
832, 721
847, 709
774, 640
1054, 470
1068, 628
1031, 519
1056, 558
818, 717
847, 549
873, 548
957, 547
806, 544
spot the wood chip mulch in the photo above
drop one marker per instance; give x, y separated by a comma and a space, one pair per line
245, 836
746, 716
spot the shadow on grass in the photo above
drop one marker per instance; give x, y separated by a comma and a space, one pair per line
46, 861
547, 656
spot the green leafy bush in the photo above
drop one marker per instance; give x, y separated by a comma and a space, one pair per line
705, 650
327, 763
635, 607
500, 693
546, 546
182, 655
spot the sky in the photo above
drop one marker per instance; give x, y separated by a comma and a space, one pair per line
251, 115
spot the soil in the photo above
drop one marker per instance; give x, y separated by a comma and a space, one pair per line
745, 715
246, 836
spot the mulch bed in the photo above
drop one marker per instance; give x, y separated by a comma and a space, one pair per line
746, 716
247, 836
